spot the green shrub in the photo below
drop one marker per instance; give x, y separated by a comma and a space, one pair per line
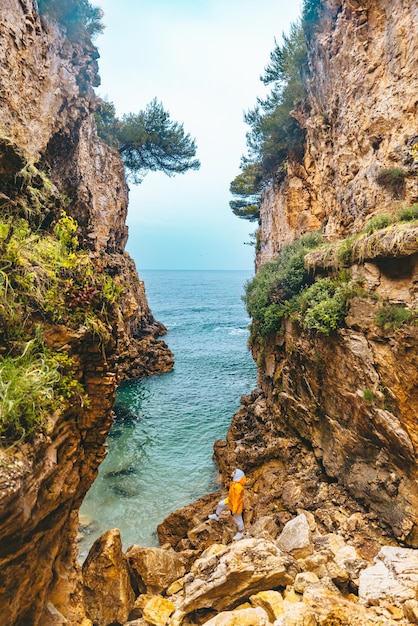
324, 304
381, 220
393, 179
393, 316
277, 282
408, 214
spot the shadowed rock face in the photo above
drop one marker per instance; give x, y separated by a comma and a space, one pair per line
46, 120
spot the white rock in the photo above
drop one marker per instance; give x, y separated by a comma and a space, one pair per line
296, 537
245, 568
393, 578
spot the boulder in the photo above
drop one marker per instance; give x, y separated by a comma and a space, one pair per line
244, 568
270, 601
394, 577
243, 617
154, 569
157, 611
295, 537
265, 527
108, 594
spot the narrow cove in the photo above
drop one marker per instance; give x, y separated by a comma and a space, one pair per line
160, 447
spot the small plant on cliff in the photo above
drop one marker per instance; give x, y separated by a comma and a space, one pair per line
368, 395
394, 316
33, 384
381, 220
324, 304
408, 213
148, 141
32, 195
393, 179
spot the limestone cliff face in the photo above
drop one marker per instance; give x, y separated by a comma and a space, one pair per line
360, 116
46, 120
352, 397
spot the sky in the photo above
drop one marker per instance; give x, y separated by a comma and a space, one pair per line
203, 60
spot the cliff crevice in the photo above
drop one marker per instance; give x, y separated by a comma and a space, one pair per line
330, 434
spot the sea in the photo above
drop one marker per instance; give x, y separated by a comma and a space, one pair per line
161, 444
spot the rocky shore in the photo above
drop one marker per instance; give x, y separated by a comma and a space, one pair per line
311, 555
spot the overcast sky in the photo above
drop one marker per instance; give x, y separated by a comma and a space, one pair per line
203, 60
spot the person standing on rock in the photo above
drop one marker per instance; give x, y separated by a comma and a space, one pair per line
234, 502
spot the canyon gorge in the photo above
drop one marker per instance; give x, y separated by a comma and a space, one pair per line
327, 440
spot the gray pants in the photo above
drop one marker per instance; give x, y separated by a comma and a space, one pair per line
237, 516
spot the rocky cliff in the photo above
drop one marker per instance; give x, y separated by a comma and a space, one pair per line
360, 117
51, 158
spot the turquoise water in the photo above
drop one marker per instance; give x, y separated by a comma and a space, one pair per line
160, 448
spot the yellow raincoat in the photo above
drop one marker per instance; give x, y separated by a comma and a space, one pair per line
235, 499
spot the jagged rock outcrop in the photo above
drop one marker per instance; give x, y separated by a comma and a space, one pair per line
297, 576
47, 127
106, 578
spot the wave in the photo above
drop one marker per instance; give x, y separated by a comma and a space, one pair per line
238, 331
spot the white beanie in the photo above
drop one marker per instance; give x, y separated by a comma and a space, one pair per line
238, 474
